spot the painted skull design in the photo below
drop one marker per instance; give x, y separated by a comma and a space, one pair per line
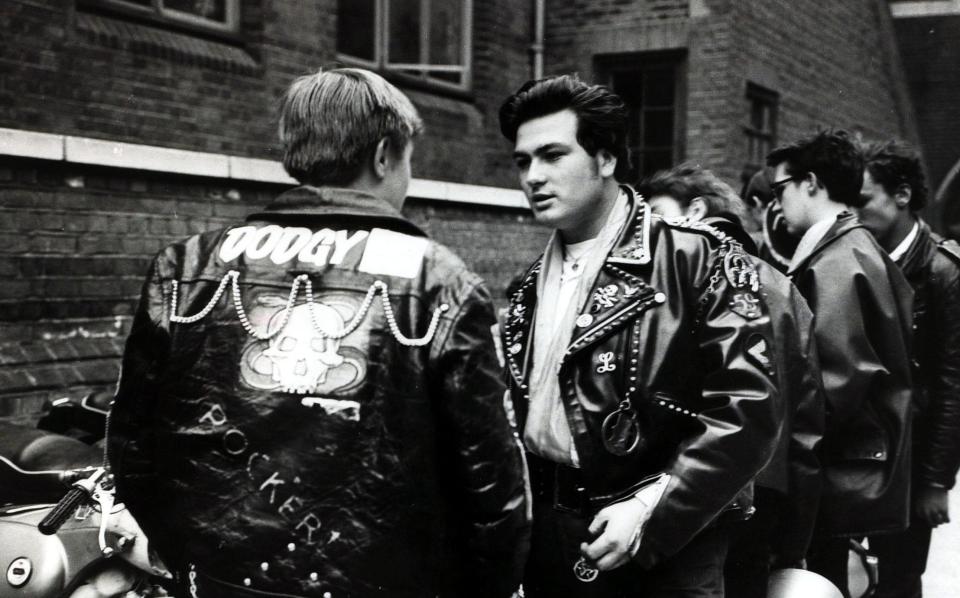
300, 355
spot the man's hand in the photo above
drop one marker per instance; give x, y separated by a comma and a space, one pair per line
932, 506
618, 526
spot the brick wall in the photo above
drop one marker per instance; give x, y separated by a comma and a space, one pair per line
70, 71
931, 52
76, 241
833, 64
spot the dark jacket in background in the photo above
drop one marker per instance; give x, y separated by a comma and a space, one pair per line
932, 266
794, 472
260, 450
862, 305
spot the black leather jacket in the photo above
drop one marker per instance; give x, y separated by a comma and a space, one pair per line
932, 266
659, 331
862, 305
794, 472
333, 418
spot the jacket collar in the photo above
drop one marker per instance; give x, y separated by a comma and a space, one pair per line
335, 202
617, 296
844, 223
920, 251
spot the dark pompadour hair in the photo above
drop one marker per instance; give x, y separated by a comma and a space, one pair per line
833, 156
601, 114
894, 164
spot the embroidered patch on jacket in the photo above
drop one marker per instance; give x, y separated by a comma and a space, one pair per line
393, 254
758, 350
301, 357
740, 272
746, 304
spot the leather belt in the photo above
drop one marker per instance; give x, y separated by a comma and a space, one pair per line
559, 485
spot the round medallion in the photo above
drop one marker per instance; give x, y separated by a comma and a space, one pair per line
515, 348
584, 320
621, 433
584, 571
659, 297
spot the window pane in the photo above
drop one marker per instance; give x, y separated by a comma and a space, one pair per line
356, 28
405, 31
658, 128
214, 10
659, 86
446, 26
137, 2
654, 161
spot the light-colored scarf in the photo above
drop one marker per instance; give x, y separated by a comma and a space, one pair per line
547, 432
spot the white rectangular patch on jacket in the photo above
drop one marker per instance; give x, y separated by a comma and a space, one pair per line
393, 254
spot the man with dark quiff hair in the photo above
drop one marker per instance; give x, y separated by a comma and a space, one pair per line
638, 353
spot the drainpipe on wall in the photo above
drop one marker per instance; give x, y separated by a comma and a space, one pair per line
539, 18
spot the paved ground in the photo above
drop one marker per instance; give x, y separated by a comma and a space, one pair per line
942, 579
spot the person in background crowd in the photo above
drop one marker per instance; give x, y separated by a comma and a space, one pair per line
893, 193
788, 489
862, 306
311, 403
639, 360
689, 191
776, 245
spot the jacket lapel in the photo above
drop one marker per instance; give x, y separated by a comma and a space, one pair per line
619, 295
517, 329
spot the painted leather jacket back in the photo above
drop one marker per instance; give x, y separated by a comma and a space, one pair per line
312, 403
932, 266
677, 325
863, 307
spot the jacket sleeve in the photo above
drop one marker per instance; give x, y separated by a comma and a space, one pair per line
803, 460
940, 452
130, 435
484, 462
861, 329
739, 417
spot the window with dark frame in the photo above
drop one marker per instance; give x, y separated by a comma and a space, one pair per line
220, 16
651, 87
427, 40
761, 126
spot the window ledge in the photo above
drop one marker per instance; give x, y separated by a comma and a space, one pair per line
161, 43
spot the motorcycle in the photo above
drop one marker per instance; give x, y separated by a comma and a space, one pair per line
75, 545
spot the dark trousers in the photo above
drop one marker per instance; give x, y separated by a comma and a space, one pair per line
902, 561
828, 557
558, 529
747, 569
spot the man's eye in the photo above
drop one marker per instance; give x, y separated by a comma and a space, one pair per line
552, 156
521, 163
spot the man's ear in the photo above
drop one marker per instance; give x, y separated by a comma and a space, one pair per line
696, 210
902, 196
814, 183
381, 157
606, 163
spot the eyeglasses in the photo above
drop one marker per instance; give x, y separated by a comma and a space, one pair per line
776, 187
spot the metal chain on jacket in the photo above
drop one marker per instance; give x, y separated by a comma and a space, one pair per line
232, 277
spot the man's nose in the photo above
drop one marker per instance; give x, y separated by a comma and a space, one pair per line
534, 176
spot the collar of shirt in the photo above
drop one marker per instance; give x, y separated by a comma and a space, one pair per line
809, 241
904, 245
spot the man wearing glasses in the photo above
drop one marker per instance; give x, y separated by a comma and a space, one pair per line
862, 305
